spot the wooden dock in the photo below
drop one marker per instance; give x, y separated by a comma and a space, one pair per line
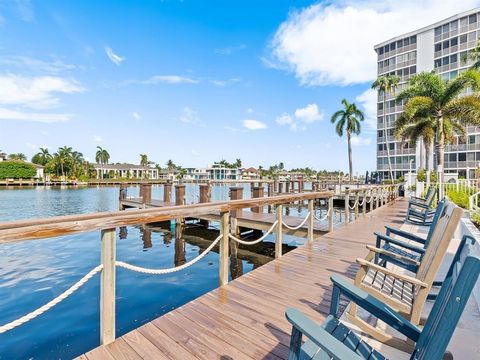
245, 319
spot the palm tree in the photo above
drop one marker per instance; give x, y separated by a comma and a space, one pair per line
143, 159
349, 118
42, 157
64, 154
102, 156
429, 96
18, 157
77, 159
170, 165
473, 55
386, 84
238, 163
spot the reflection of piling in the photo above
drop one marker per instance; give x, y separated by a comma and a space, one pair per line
236, 264
270, 190
236, 193
123, 232
205, 197
179, 245
287, 187
280, 187
147, 237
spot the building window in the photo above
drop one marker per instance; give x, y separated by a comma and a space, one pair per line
438, 47
406, 42
438, 31
446, 28
413, 39
438, 63
446, 44
462, 156
454, 25
453, 58
454, 41
399, 44
445, 61
472, 19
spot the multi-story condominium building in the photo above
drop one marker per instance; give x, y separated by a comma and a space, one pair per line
441, 47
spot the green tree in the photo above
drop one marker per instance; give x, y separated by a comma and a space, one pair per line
423, 129
76, 159
42, 157
473, 55
386, 85
429, 96
63, 156
18, 157
171, 165
16, 170
238, 163
102, 156
143, 159
348, 118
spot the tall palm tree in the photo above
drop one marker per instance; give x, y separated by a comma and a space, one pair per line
170, 165
42, 157
64, 154
77, 160
429, 96
238, 163
143, 159
348, 118
102, 156
386, 85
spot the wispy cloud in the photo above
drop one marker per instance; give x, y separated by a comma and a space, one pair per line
301, 117
170, 79
251, 124
136, 115
361, 141
116, 59
97, 138
188, 116
7, 114
223, 83
25, 9
315, 45
229, 50
28, 64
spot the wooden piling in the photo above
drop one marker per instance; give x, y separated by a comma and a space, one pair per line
107, 287
258, 192
223, 251
278, 232
167, 192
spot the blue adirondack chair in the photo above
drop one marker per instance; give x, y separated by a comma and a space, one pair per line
401, 253
334, 340
429, 196
420, 211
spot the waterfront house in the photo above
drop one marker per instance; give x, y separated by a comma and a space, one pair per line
221, 172
250, 174
126, 171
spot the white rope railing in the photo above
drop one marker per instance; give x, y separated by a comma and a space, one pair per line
354, 205
298, 226
52, 303
240, 241
170, 270
325, 217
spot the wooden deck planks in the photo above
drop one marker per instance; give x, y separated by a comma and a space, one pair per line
245, 319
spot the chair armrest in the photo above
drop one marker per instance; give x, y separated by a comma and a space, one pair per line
422, 205
393, 255
404, 234
403, 244
302, 325
406, 278
343, 286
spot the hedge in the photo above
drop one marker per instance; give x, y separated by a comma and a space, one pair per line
16, 170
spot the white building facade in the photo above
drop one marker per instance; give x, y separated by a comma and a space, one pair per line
441, 47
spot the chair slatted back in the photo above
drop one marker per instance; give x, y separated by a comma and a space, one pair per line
456, 289
442, 235
430, 196
438, 212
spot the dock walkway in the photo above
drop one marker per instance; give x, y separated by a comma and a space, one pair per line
245, 319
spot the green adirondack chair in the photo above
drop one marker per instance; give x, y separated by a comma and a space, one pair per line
398, 252
334, 340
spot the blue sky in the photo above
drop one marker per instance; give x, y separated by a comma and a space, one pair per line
196, 81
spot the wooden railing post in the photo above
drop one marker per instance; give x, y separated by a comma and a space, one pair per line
311, 203
376, 202
364, 205
223, 252
330, 214
278, 232
371, 199
357, 200
107, 287
347, 207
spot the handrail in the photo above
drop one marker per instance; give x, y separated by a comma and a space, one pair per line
71, 224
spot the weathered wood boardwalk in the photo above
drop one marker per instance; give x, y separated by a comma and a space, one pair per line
245, 319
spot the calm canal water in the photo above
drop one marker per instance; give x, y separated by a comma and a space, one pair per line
33, 272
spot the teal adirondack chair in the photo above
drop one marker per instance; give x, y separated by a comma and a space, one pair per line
334, 340
420, 211
429, 196
401, 253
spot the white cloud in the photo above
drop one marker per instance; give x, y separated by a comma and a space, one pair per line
222, 83
31, 146
97, 138
53, 66
188, 116
332, 42
251, 124
361, 141
301, 117
170, 79
229, 50
116, 59
230, 128
136, 115
7, 114
35, 92
250, 110
368, 100
309, 114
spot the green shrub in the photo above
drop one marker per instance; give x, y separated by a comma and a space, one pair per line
421, 175
459, 197
16, 170
475, 216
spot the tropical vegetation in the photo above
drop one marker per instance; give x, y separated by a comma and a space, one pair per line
348, 119
437, 104
16, 169
17, 157
102, 156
